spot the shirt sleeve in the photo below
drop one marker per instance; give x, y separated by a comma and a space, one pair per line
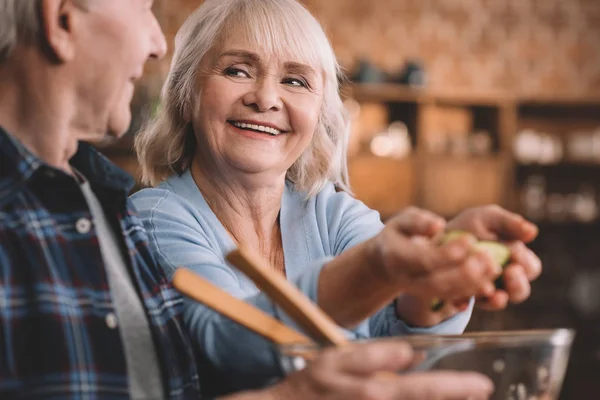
177, 238
351, 222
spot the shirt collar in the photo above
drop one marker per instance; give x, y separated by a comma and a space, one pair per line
18, 165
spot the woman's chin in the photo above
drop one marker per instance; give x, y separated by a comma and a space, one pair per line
255, 165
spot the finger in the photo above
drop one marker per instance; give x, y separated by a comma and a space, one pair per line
487, 290
448, 310
516, 283
507, 225
416, 221
441, 386
498, 301
462, 304
413, 257
459, 248
479, 272
492, 268
460, 281
368, 358
522, 255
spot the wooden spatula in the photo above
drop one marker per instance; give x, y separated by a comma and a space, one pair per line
307, 315
298, 306
201, 290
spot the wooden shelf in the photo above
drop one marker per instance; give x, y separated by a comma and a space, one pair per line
384, 184
391, 92
446, 184
449, 184
561, 101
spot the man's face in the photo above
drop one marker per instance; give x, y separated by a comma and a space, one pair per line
116, 39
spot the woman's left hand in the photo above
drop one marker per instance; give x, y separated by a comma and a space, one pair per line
495, 223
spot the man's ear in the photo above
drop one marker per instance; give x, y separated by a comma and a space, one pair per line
57, 28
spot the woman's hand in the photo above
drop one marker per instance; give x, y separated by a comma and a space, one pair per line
350, 373
486, 223
406, 253
406, 258
495, 223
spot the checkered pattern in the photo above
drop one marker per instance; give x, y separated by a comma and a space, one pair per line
56, 339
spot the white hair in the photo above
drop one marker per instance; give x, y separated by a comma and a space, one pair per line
20, 23
284, 27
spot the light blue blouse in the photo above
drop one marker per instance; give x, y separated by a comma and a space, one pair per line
183, 231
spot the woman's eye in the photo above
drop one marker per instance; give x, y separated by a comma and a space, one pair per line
236, 72
295, 82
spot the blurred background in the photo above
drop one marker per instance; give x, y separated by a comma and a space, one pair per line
457, 103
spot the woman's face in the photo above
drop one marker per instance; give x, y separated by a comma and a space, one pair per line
256, 112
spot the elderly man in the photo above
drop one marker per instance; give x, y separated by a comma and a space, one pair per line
84, 310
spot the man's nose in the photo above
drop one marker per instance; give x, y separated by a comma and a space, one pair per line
159, 42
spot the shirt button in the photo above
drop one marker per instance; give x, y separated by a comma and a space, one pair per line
111, 320
83, 225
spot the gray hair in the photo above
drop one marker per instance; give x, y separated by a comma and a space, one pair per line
165, 146
20, 23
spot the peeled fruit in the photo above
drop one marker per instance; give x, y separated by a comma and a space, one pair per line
498, 251
452, 235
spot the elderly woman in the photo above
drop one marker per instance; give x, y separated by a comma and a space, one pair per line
249, 149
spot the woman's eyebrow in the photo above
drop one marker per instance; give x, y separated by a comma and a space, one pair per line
248, 55
299, 68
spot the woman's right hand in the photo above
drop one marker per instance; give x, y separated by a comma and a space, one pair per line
406, 253
350, 373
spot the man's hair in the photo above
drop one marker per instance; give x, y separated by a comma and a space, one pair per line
19, 22
166, 145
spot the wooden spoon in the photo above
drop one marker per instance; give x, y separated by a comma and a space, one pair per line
201, 290
299, 307
305, 313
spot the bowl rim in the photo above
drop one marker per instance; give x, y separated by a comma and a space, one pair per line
558, 337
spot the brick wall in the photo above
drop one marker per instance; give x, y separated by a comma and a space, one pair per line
525, 46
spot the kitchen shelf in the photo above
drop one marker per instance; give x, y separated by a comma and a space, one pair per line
446, 184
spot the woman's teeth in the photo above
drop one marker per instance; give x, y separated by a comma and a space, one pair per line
259, 128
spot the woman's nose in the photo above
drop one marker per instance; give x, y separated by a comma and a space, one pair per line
264, 96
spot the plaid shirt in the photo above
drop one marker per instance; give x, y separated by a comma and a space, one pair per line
58, 333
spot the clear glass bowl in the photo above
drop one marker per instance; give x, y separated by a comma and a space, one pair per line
524, 365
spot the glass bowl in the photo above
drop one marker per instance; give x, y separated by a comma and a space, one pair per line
524, 365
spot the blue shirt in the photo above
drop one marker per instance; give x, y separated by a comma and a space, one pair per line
59, 337
184, 231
